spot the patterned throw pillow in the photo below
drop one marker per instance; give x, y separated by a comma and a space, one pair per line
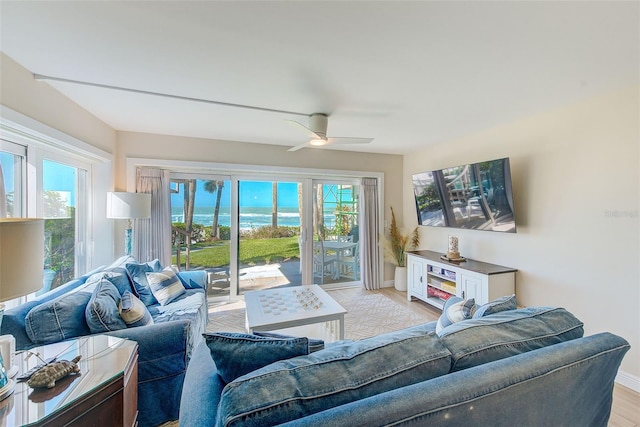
133, 311
237, 354
455, 310
138, 272
165, 285
501, 304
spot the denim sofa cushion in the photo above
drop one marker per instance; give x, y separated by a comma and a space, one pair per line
165, 285
237, 354
102, 314
133, 311
505, 303
507, 333
138, 272
60, 318
191, 306
304, 385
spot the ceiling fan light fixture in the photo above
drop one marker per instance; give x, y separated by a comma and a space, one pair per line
318, 142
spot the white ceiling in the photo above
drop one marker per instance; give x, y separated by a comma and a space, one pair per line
408, 74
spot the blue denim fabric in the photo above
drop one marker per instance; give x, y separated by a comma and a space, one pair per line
59, 319
202, 389
237, 354
162, 363
101, 313
568, 384
138, 272
315, 344
501, 304
14, 319
164, 349
297, 387
507, 333
118, 276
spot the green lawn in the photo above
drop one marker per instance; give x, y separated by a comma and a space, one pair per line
252, 252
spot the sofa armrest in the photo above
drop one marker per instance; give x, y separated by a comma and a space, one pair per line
162, 348
162, 362
194, 279
202, 390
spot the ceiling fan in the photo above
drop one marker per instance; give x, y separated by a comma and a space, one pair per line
317, 132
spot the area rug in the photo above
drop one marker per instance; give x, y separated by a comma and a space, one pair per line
369, 313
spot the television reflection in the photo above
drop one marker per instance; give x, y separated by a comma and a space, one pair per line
475, 196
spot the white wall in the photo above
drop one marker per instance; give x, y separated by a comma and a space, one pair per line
576, 194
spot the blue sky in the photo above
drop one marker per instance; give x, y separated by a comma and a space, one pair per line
56, 177
252, 193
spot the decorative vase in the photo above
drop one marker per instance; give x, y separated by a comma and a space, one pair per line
400, 280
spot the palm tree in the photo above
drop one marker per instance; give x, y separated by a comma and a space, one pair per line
274, 205
215, 187
189, 202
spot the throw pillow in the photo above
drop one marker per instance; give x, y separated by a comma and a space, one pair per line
501, 304
118, 276
165, 285
315, 344
138, 274
133, 311
294, 388
102, 313
455, 310
59, 319
237, 354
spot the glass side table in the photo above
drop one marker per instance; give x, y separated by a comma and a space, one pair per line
104, 393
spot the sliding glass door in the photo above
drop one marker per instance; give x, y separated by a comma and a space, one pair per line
201, 224
336, 254
252, 233
269, 215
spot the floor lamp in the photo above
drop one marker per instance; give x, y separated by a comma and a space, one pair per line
21, 271
121, 205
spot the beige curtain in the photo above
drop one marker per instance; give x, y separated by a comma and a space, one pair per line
369, 226
152, 237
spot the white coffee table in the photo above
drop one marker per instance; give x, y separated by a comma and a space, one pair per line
285, 308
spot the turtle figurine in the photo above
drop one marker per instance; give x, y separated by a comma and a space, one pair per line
49, 374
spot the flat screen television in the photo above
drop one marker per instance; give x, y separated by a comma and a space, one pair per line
476, 196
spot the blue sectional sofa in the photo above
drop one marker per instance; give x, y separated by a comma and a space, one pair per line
526, 367
166, 333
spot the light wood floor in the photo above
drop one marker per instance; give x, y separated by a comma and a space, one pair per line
626, 402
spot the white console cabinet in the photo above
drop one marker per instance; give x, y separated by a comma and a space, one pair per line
433, 280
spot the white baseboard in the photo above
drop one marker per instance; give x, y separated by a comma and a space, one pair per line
628, 380
388, 284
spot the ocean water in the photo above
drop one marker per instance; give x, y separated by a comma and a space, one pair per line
250, 217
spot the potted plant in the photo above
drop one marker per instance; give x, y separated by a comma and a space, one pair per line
396, 246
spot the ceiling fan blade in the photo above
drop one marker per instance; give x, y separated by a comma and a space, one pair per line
298, 147
346, 140
311, 134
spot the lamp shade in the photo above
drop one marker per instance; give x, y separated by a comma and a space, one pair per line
21, 256
128, 205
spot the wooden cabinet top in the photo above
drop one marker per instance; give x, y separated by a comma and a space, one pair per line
469, 264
